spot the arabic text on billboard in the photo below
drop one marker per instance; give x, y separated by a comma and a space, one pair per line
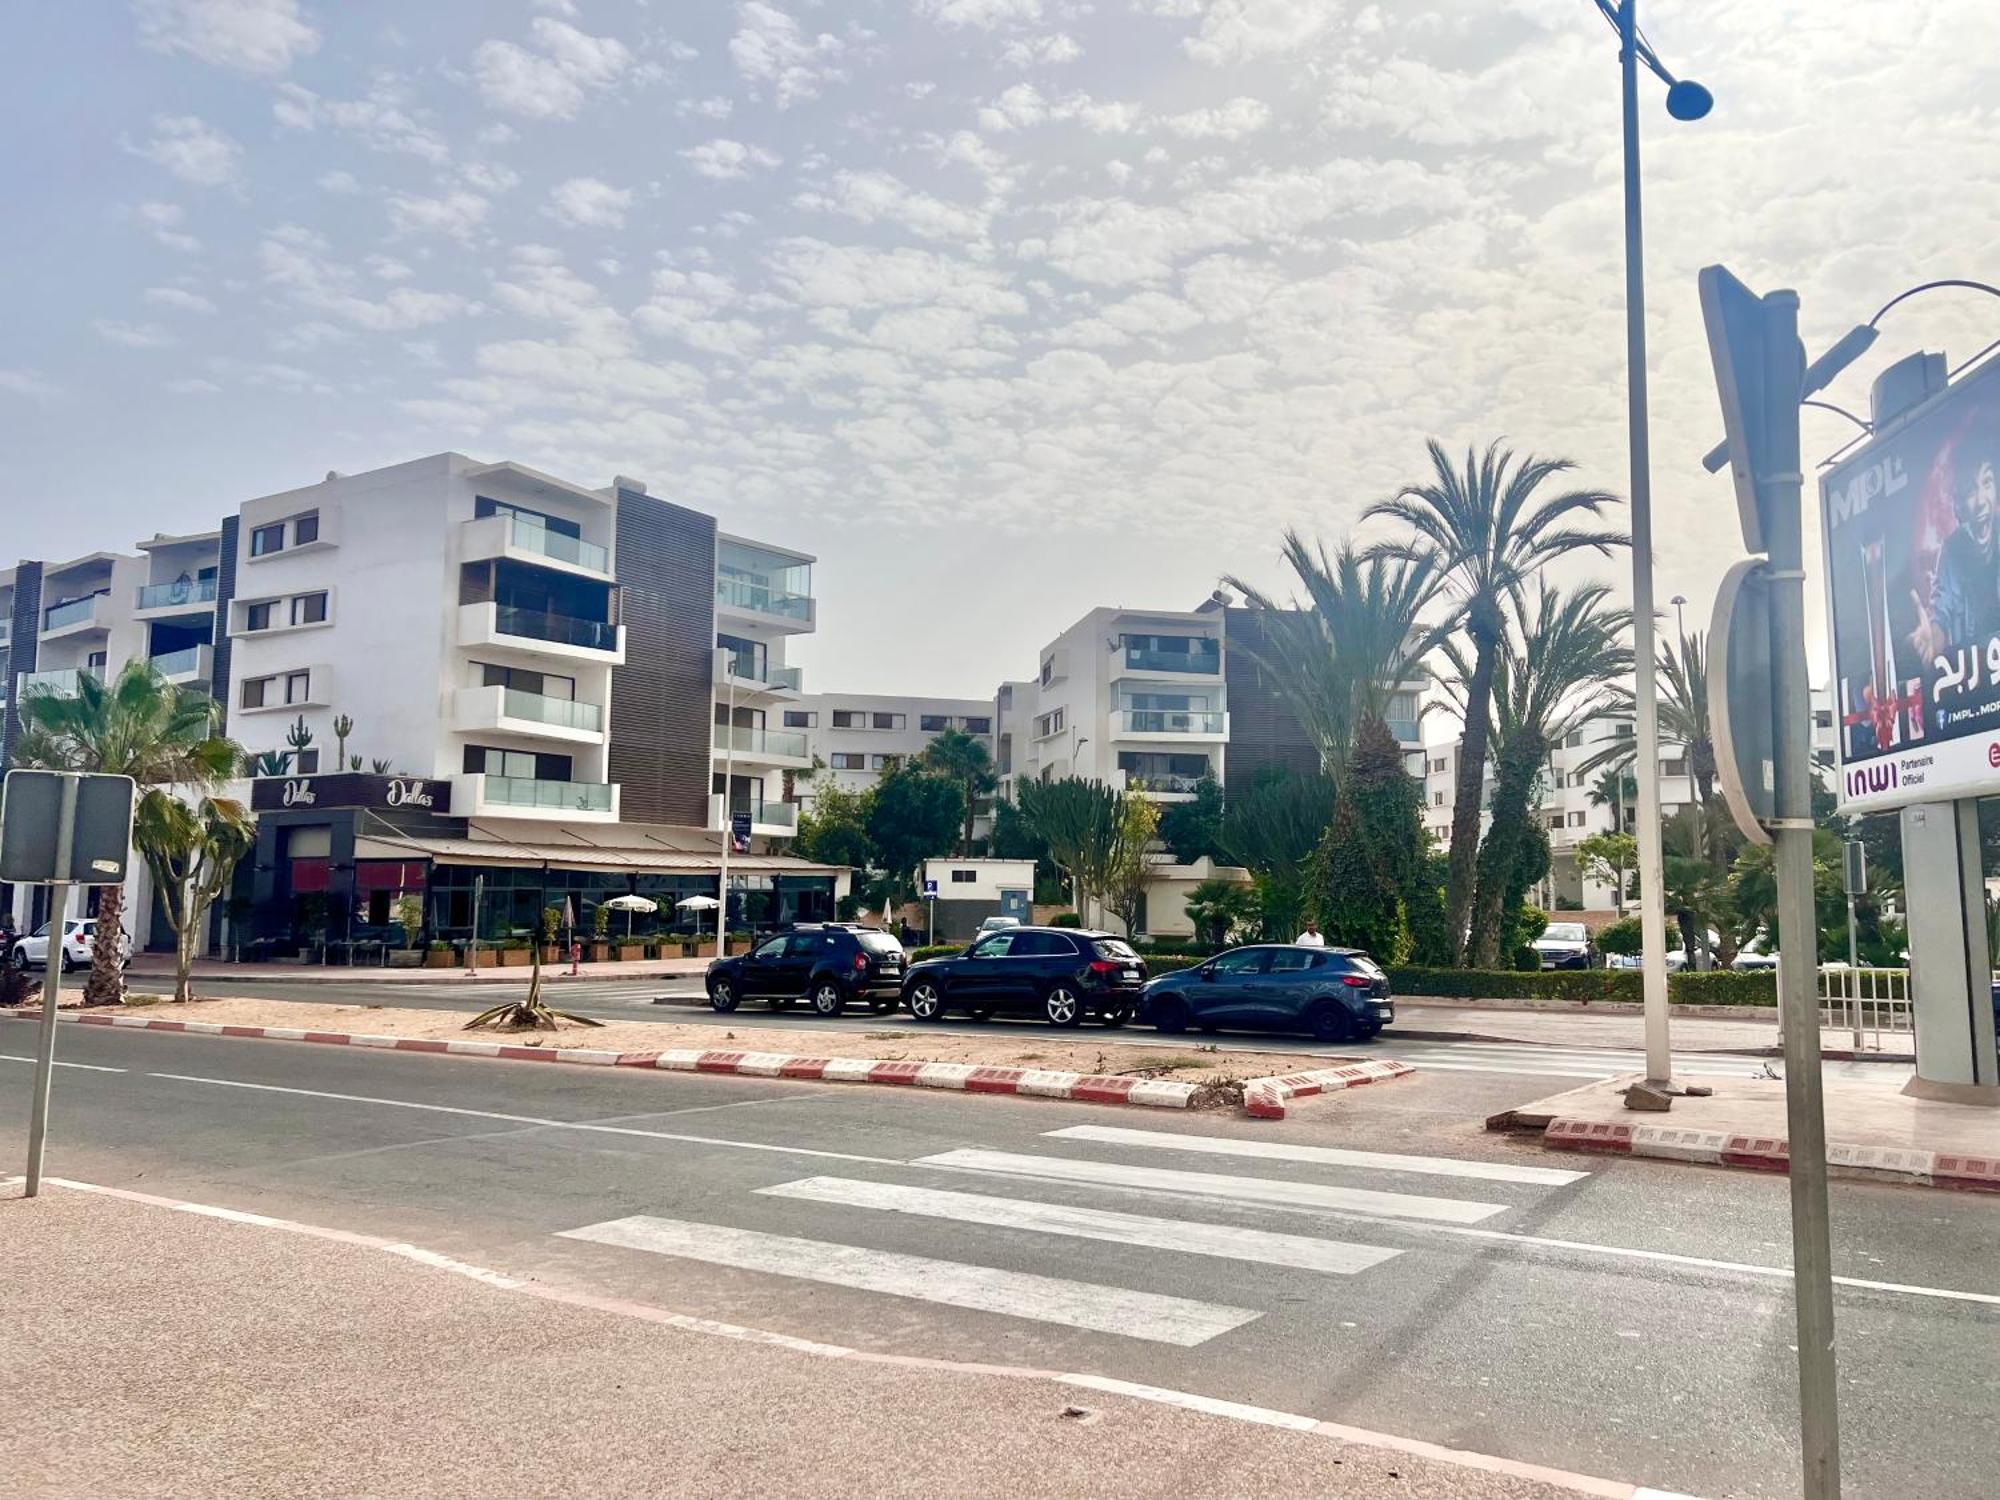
1912, 528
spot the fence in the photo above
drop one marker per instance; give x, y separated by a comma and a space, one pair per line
1869, 1003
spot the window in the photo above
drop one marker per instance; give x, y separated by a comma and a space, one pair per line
1440, 764
848, 718
1048, 671
1573, 738
801, 718
849, 760
1555, 821
1822, 718
933, 723
891, 721
1437, 799
1677, 767
253, 691
1576, 820
964, 877
523, 680
258, 616
974, 724
298, 687
1292, 960
996, 946
1049, 723
308, 762
264, 540
886, 762
526, 764
1041, 945
305, 528
309, 609
1242, 961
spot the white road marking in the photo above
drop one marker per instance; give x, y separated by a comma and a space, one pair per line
87, 1067
1218, 1185
1225, 1145
1223, 1241
1014, 1294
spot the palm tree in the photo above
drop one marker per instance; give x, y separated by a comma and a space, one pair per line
140, 726
1683, 709
1488, 536
1339, 653
1551, 676
191, 851
1616, 788
957, 756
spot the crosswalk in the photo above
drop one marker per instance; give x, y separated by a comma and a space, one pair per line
1581, 1063
995, 1231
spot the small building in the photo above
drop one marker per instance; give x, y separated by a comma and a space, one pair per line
971, 890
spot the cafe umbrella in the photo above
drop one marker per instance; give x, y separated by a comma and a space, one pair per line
630, 904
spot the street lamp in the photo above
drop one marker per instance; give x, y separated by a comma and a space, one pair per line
1686, 100
1679, 602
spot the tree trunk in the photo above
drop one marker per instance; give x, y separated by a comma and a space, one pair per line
965, 842
1463, 869
106, 985
1498, 858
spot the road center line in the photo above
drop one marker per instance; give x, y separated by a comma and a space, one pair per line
87, 1067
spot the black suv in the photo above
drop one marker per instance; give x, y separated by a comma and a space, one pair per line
1337, 994
1058, 973
828, 964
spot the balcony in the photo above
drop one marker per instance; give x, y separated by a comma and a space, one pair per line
182, 596
537, 633
477, 794
524, 540
516, 712
1169, 724
761, 586
60, 681
1406, 731
194, 664
1160, 786
1203, 658
6, 633
744, 673
759, 600
764, 747
75, 617
768, 818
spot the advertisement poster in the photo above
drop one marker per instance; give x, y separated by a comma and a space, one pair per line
1912, 531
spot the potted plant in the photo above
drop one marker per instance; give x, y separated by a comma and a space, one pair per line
600, 927
408, 915
440, 955
551, 927
511, 953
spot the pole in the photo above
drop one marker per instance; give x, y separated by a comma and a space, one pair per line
1798, 933
52, 968
1652, 879
472, 948
728, 822
1853, 973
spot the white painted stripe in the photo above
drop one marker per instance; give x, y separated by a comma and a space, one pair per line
1218, 1185
456, 1267
85, 1067
1014, 1294
1215, 1407
1223, 1145
1222, 1241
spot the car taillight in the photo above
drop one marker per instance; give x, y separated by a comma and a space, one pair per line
1104, 966
1355, 981
860, 960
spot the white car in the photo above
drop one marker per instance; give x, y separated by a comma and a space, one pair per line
1564, 945
79, 937
1677, 960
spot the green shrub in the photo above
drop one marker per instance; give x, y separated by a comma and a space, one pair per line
935, 950
1527, 961
1723, 987
1065, 919
1623, 936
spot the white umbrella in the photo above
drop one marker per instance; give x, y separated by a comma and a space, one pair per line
698, 903
630, 904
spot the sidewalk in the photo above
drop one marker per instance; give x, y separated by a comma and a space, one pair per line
160, 1353
159, 966
1756, 1033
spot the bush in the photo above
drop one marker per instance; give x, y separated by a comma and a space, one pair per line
1065, 919
1720, 987
1623, 937
1527, 961
935, 950
1723, 987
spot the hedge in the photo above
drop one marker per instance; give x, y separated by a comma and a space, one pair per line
1721, 987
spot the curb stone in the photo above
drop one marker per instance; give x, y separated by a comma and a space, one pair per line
1763, 1153
1268, 1098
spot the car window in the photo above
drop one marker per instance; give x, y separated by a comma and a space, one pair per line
773, 948
1291, 960
879, 942
1113, 948
1242, 961
41, 931
806, 944
996, 946
1043, 945
1564, 932
1366, 965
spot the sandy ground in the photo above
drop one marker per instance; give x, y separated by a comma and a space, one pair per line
1181, 1060
154, 1353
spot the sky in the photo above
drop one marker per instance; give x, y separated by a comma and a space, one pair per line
1005, 309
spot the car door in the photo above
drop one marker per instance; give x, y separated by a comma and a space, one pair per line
976, 978
1220, 995
763, 967
1277, 996
1036, 961
802, 954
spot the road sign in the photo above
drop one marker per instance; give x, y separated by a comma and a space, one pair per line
1734, 316
1856, 867
930, 888
33, 849
1739, 698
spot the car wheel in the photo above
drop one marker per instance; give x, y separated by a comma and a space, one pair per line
20, 959
722, 995
67, 966
927, 1000
1368, 1032
1170, 1014
1328, 1022
827, 999
885, 1005
1115, 1015
1062, 1006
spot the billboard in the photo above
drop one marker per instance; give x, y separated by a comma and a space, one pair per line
1911, 524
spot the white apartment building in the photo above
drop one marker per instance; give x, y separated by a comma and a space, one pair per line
860, 736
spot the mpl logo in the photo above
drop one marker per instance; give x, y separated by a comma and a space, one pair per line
1876, 482
1869, 781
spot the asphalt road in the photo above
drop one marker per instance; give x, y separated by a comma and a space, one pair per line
1619, 1317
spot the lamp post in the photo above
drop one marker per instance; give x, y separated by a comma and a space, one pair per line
1679, 602
1686, 100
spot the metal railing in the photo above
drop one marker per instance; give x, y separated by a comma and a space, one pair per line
527, 791
180, 591
567, 630
1172, 721
72, 612
738, 593
559, 545
1868, 1003
563, 713
179, 663
747, 740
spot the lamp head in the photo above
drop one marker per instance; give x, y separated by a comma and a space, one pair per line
1688, 100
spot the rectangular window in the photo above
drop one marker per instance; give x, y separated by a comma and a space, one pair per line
1576, 820
1556, 821
298, 687
264, 540
305, 528
1050, 723
308, 762
933, 723
309, 609
254, 690
849, 760
891, 721
1048, 671
976, 725
964, 877
885, 762
801, 718
1437, 799
848, 718
257, 616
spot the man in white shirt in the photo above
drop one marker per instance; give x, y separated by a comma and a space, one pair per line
1311, 937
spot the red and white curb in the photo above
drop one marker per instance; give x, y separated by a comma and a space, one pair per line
1947, 1169
1233, 1411
969, 1078
1268, 1098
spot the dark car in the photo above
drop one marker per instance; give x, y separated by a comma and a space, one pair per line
827, 964
1337, 994
1061, 974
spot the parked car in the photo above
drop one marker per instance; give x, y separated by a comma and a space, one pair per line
1754, 956
1061, 974
826, 964
998, 924
1336, 994
78, 945
1564, 945
1677, 960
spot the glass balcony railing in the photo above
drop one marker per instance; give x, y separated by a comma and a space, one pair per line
74, 612
745, 740
765, 812
761, 598
179, 663
559, 546
180, 591
59, 680
1171, 721
1406, 731
745, 668
1162, 781
567, 630
562, 713
526, 791
1153, 659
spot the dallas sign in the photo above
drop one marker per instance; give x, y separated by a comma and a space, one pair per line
1912, 528
349, 789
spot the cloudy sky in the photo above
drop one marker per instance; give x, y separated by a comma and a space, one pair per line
1004, 308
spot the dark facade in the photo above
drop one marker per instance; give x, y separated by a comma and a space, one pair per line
23, 632
225, 591
1263, 730
661, 699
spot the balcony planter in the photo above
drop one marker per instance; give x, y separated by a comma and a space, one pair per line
631, 953
440, 956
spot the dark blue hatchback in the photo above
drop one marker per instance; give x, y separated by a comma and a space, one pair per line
1336, 994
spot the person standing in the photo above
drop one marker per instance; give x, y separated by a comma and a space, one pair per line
1311, 937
